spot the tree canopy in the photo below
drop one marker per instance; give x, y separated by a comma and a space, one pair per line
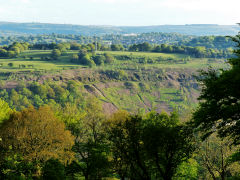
219, 108
36, 135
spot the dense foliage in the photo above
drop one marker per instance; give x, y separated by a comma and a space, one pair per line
37, 138
13, 50
220, 99
197, 51
37, 95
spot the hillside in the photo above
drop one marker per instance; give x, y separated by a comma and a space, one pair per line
8, 28
167, 85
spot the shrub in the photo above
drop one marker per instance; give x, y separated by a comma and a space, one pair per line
109, 58
144, 87
130, 85
86, 60
53, 169
74, 58
99, 59
10, 64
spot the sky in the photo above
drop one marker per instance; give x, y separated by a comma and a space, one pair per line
122, 12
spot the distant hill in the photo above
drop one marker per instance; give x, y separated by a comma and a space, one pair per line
9, 28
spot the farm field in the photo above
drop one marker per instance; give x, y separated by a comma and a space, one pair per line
32, 60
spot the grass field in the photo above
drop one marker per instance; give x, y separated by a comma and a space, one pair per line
175, 62
37, 63
147, 54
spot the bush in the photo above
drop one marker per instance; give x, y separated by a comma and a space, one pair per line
115, 74
150, 61
109, 58
99, 59
53, 170
74, 58
144, 87
86, 60
142, 60
56, 53
130, 85
10, 64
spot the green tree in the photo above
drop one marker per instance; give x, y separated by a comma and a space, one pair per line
74, 58
53, 169
3, 52
55, 54
90, 146
113, 127
5, 111
148, 147
86, 60
109, 59
215, 154
75, 46
99, 60
129, 156
187, 170
16, 49
167, 143
36, 135
37, 101
15, 167
12, 54
83, 52
116, 47
145, 47
220, 100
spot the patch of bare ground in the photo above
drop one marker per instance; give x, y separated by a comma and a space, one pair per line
146, 105
124, 91
109, 84
163, 107
10, 85
194, 96
156, 94
147, 102
109, 108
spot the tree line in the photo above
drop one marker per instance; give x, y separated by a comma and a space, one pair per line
214, 42
13, 50
198, 51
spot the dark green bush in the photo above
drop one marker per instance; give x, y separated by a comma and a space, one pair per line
53, 170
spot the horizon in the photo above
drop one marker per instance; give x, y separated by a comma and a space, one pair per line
53, 23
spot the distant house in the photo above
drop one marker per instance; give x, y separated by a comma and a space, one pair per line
108, 43
132, 34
